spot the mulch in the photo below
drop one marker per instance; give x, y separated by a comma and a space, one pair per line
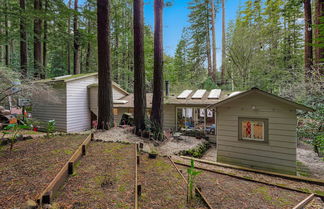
104, 178
31, 166
223, 191
162, 186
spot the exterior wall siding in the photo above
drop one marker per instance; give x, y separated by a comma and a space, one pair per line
78, 114
46, 110
279, 154
169, 120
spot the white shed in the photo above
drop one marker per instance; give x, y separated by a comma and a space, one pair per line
72, 114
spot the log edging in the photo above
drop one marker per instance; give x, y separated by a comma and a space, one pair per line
46, 195
269, 173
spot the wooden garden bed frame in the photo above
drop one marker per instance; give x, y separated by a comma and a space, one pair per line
45, 197
269, 173
300, 205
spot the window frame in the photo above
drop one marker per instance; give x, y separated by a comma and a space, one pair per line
266, 130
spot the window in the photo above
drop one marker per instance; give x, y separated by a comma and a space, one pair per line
253, 129
115, 110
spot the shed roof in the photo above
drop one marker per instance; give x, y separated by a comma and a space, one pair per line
130, 101
258, 91
68, 78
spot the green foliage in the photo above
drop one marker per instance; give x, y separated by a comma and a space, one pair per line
15, 128
155, 129
197, 152
50, 128
271, 55
192, 173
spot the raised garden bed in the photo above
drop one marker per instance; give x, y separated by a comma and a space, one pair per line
162, 186
223, 191
308, 187
104, 178
31, 166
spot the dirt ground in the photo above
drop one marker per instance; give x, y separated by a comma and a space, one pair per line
162, 186
166, 148
310, 159
308, 187
227, 192
31, 166
105, 178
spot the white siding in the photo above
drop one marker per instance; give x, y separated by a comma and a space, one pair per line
169, 117
45, 111
78, 114
279, 154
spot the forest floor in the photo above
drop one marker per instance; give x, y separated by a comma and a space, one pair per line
31, 166
104, 178
294, 184
223, 191
162, 185
166, 148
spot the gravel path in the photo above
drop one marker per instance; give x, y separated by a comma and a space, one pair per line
170, 147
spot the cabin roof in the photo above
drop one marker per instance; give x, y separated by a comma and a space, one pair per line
261, 92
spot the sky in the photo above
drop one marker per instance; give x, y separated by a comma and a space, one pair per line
176, 18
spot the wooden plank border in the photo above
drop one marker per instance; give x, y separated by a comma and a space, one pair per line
303, 203
135, 186
286, 176
185, 180
45, 197
248, 179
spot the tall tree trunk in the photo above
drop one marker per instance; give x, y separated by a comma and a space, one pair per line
45, 38
212, 3
38, 65
68, 64
6, 34
223, 43
139, 64
157, 103
76, 64
308, 39
88, 53
105, 98
319, 14
23, 39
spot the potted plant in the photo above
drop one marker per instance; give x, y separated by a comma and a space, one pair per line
153, 154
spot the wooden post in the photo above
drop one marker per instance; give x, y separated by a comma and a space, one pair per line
139, 190
70, 168
46, 199
83, 150
138, 160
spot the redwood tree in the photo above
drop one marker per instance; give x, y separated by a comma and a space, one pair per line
105, 105
308, 39
23, 40
319, 15
223, 43
6, 34
76, 63
213, 40
38, 65
139, 70
157, 103
68, 47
